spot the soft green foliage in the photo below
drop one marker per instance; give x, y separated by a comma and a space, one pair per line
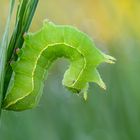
39, 52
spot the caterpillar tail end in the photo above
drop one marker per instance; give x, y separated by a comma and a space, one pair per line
109, 59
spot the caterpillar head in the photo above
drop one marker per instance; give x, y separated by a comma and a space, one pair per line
88, 73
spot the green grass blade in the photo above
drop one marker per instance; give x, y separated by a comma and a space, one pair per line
3, 52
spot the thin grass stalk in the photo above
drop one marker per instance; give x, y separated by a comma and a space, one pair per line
3, 52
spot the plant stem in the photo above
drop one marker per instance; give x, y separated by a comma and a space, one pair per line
3, 52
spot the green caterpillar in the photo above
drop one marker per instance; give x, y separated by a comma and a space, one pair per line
39, 52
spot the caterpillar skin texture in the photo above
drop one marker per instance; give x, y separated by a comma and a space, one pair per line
40, 50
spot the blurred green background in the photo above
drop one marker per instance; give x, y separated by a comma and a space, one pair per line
113, 114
